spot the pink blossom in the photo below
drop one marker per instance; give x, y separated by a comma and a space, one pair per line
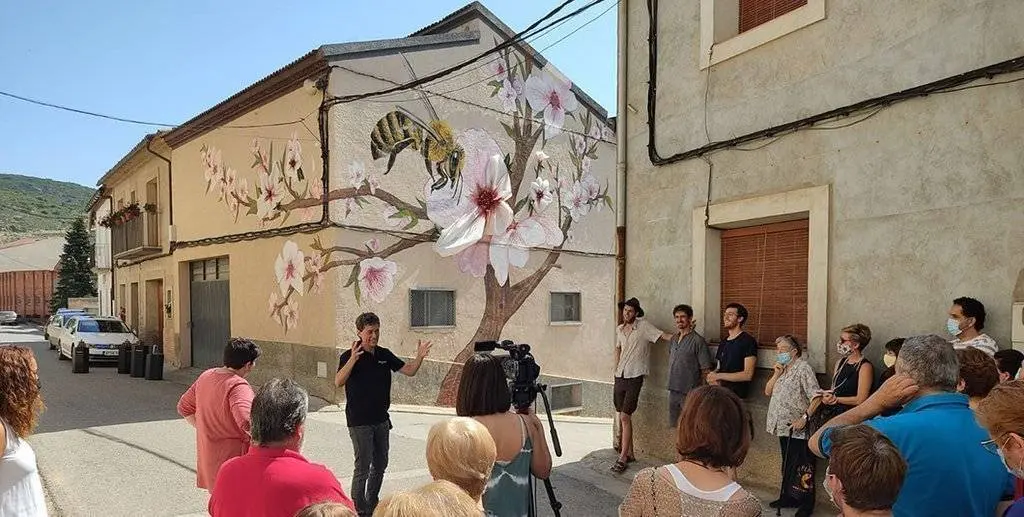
484, 210
377, 278
443, 206
315, 265
316, 188
289, 268
595, 132
290, 314
578, 202
242, 189
540, 190
591, 186
293, 157
474, 259
356, 174
508, 96
374, 182
497, 68
271, 195
554, 97
513, 247
373, 245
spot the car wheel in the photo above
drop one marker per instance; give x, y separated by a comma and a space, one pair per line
60, 354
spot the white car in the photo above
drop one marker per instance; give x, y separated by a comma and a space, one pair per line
8, 317
55, 327
102, 334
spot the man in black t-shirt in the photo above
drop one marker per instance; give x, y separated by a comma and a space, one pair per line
365, 372
737, 353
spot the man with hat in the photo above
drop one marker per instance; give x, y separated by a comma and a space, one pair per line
633, 339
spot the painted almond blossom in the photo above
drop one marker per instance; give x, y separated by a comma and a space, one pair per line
508, 96
374, 183
290, 314
512, 248
578, 202
315, 189
271, 193
227, 184
293, 159
541, 197
356, 174
474, 259
497, 68
554, 97
315, 266
289, 268
377, 278
484, 210
373, 245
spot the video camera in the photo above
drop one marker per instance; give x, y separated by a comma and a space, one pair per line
521, 370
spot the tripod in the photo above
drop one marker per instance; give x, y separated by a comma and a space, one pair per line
556, 506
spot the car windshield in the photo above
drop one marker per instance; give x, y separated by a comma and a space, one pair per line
102, 326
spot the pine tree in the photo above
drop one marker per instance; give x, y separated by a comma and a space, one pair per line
75, 277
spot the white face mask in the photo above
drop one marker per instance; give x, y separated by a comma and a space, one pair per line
828, 488
889, 360
953, 327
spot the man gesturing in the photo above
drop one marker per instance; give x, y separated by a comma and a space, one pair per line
365, 372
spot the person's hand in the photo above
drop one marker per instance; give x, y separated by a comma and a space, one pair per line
893, 393
357, 350
829, 399
422, 348
778, 369
713, 379
799, 424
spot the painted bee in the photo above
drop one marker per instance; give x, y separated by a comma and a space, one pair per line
435, 140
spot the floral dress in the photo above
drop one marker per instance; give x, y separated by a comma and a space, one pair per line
790, 398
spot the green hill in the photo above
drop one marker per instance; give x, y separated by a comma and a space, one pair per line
38, 206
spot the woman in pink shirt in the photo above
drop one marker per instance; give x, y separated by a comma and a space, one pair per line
218, 404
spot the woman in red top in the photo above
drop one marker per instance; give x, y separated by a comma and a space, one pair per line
218, 404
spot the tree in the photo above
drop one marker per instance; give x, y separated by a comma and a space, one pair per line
74, 277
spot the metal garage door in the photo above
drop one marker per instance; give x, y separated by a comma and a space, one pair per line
211, 311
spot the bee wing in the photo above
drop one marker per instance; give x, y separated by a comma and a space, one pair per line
423, 96
418, 121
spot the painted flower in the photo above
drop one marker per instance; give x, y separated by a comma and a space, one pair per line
309, 214
374, 182
474, 259
513, 247
553, 236
591, 186
214, 165
608, 134
578, 202
227, 185
508, 96
293, 157
242, 190
595, 132
356, 174
554, 97
388, 213
373, 245
377, 278
290, 314
542, 156
484, 210
540, 194
273, 306
289, 267
497, 68
348, 205
271, 193
315, 265
316, 188
254, 147
579, 144
586, 164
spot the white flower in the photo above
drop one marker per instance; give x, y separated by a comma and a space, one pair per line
579, 144
293, 157
591, 186
443, 206
373, 245
290, 314
497, 68
586, 164
289, 268
374, 182
474, 259
356, 174
513, 247
316, 188
540, 191
595, 132
377, 278
578, 202
315, 265
554, 97
508, 96
213, 165
242, 189
484, 210
271, 193
553, 236
541, 156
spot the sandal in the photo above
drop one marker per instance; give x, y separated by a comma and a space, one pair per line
630, 459
619, 467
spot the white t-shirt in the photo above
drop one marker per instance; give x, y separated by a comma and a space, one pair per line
982, 342
21, 490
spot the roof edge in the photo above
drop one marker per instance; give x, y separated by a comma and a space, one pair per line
139, 147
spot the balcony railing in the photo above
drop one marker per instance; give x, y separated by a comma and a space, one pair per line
136, 238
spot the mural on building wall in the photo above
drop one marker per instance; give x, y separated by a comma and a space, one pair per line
478, 206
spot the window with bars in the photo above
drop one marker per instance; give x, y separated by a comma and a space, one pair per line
758, 12
565, 308
210, 269
432, 308
764, 268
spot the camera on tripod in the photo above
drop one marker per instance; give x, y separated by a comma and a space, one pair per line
521, 369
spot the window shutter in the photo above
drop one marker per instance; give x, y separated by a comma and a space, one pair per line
757, 12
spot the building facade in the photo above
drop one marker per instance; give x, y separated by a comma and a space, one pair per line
28, 275
824, 163
99, 208
298, 206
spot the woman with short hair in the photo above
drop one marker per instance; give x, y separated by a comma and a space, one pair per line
865, 472
1000, 414
521, 446
713, 437
21, 489
435, 499
462, 451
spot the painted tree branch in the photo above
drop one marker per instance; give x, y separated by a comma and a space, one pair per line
346, 193
402, 244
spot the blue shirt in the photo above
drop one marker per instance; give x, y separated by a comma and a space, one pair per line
949, 472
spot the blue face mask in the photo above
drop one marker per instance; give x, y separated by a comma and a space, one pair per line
784, 358
953, 327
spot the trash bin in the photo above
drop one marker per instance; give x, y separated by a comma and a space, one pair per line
124, 358
80, 358
139, 360
155, 364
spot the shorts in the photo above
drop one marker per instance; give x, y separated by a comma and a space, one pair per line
675, 407
626, 394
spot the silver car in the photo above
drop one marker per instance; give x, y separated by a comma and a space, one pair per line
8, 318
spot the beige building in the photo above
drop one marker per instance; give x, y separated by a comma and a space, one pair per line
298, 206
785, 157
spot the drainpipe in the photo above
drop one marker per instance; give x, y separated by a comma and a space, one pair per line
620, 165
170, 183
113, 280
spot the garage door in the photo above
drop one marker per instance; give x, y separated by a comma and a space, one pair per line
211, 311
765, 269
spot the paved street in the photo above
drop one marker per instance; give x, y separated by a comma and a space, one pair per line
113, 445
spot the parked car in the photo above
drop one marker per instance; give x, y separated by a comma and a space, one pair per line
8, 318
55, 326
103, 335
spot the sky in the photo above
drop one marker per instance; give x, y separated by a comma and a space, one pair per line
168, 61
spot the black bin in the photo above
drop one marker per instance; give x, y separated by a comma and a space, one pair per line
80, 358
139, 352
155, 364
124, 358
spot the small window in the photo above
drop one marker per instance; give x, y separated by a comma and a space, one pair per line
565, 308
432, 308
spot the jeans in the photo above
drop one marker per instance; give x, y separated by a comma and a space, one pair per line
370, 444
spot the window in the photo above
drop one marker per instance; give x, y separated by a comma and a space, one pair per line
565, 308
105, 326
432, 308
209, 269
757, 12
731, 27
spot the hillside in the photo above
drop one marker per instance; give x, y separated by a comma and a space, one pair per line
38, 206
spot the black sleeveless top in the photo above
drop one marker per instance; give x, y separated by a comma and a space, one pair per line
847, 379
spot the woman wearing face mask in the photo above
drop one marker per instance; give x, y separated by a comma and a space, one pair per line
892, 352
21, 490
791, 388
999, 413
865, 472
852, 376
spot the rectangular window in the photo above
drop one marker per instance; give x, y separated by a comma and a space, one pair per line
565, 308
210, 269
432, 308
758, 12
